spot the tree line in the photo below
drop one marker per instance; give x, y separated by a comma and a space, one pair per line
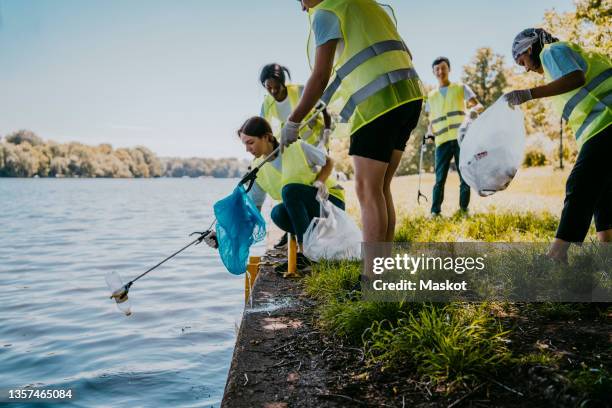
24, 154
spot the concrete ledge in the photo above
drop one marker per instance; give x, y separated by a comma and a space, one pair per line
275, 364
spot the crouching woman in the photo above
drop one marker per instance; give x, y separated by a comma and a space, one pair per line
294, 178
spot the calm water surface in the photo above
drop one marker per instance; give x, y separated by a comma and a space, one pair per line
58, 329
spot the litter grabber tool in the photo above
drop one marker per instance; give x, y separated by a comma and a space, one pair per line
423, 148
239, 225
119, 291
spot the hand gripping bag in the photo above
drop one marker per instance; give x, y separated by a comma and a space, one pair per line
492, 148
333, 235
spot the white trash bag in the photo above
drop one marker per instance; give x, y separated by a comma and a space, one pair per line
492, 148
333, 235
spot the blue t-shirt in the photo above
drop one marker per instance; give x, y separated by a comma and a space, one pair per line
560, 60
326, 27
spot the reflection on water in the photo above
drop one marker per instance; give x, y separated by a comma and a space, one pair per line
58, 327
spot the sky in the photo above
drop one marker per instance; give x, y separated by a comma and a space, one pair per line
180, 76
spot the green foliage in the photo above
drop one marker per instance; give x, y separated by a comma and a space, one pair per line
455, 343
197, 167
24, 136
588, 25
486, 76
24, 154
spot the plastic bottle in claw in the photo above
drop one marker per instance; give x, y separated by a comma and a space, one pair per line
119, 292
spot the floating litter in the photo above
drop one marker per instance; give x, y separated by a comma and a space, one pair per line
119, 292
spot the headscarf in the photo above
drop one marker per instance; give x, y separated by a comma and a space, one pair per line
528, 38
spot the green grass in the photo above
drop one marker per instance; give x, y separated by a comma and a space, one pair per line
487, 227
595, 383
458, 344
455, 343
351, 320
333, 284
331, 280
543, 358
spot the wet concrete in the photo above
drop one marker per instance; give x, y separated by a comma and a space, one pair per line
273, 365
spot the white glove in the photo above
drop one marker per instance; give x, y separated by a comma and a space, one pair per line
289, 134
322, 193
473, 113
518, 97
211, 240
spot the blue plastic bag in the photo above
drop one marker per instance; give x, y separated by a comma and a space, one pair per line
239, 225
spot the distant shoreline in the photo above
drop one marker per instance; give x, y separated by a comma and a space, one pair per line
24, 154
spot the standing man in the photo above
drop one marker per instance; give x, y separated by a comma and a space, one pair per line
446, 106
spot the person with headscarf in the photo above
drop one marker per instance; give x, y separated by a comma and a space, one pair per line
580, 84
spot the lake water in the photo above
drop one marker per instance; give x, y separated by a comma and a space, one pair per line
59, 329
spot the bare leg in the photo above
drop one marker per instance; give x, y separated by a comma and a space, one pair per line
369, 183
396, 156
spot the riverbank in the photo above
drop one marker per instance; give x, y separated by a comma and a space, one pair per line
296, 348
281, 359
315, 342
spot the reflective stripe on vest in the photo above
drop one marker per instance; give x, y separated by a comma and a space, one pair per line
370, 89
374, 73
358, 59
271, 114
587, 109
446, 112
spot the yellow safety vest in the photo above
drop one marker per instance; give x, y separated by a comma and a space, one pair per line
374, 74
311, 133
269, 179
446, 113
295, 170
587, 109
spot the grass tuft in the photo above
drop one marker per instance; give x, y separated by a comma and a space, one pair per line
455, 343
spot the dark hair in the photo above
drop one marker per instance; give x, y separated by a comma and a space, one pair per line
440, 60
257, 126
544, 37
274, 71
